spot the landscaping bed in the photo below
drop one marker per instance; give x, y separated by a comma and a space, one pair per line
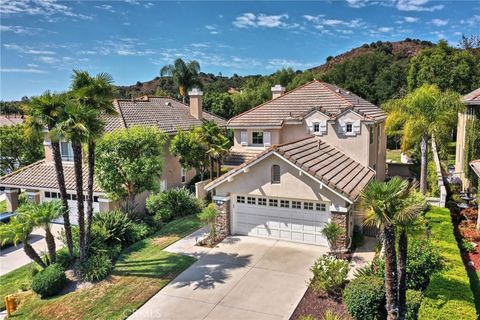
315, 305
139, 273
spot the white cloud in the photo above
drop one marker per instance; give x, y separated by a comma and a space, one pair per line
439, 22
410, 19
32, 65
106, 7
119, 46
250, 20
19, 29
385, 29
26, 49
417, 5
20, 70
212, 29
287, 63
36, 7
472, 22
48, 59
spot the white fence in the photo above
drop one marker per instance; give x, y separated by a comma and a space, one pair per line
440, 180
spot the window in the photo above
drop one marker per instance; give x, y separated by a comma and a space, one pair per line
183, 175
251, 200
316, 127
257, 137
273, 202
54, 195
95, 199
47, 194
262, 201
275, 173
320, 207
240, 199
74, 197
284, 204
69, 196
296, 205
349, 128
66, 151
308, 206
371, 135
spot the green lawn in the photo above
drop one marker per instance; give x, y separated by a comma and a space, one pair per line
475, 285
14, 281
141, 271
394, 155
3, 206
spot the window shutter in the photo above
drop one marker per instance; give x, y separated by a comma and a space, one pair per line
266, 139
342, 126
356, 127
243, 138
310, 127
323, 126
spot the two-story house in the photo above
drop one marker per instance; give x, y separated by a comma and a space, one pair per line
39, 179
300, 160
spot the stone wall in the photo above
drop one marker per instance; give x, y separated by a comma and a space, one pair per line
223, 219
341, 218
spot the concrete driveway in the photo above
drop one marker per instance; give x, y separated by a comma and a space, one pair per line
242, 278
14, 257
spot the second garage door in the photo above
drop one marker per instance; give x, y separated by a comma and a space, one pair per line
284, 219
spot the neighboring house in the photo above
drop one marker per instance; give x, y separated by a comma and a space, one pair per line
39, 179
472, 107
10, 119
300, 160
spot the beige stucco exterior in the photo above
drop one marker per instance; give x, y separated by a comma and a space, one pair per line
172, 171
460, 148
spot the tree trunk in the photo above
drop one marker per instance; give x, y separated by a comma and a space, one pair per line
211, 168
390, 272
402, 274
57, 157
423, 164
130, 203
91, 173
77, 163
32, 254
219, 167
50, 240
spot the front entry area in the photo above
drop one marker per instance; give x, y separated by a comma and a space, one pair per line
280, 218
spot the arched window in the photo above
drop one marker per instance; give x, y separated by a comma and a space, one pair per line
275, 173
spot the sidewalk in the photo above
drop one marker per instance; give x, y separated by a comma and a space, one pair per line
362, 256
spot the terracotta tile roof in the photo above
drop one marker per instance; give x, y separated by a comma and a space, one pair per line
166, 113
43, 175
299, 102
475, 165
326, 163
237, 157
10, 120
473, 98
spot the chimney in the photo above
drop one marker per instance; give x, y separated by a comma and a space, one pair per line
47, 144
277, 91
196, 103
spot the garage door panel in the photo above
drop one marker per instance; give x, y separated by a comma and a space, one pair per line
309, 216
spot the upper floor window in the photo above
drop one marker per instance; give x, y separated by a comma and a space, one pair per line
257, 137
275, 173
183, 175
316, 127
371, 135
66, 151
349, 128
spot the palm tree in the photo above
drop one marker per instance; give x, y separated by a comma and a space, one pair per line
382, 200
96, 94
74, 128
18, 230
216, 144
46, 111
422, 114
42, 215
184, 75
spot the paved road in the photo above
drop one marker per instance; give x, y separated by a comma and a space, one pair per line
14, 257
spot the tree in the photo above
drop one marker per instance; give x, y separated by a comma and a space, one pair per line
422, 114
129, 162
446, 67
96, 94
184, 75
192, 154
220, 104
46, 111
17, 148
382, 201
216, 144
41, 215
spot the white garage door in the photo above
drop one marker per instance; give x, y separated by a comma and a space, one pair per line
283, 219
72, 206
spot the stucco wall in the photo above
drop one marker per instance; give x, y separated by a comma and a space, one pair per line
172, 170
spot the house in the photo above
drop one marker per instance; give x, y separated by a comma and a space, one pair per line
39, 179
10, 119
300, 160
471, 111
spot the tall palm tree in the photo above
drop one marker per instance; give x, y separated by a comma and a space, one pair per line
42, 215
422, 114
216, 144
74, 128
18, 230
46, 111
96, 94
382, 200
184, 75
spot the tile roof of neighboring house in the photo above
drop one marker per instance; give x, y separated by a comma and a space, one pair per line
297, 103
237, 157
42, 175
324, 162
475, 165
472, 98
9, 120
166, 113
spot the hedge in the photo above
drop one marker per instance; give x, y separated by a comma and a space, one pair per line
448, 296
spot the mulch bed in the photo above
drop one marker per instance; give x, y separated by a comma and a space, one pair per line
464, 223
315, 305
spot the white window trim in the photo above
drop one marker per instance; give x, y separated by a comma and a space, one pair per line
263, 138
68, 158
183, 175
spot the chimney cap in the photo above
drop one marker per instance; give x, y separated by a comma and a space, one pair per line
278, 88
195, 92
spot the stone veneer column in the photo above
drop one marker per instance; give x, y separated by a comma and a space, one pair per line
12, 199
33, 196
341, 218
223, 219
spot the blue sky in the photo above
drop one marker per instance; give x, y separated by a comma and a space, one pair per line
42, 41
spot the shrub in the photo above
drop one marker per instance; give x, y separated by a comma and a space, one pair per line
329, 274
96, 267
468, 246
307, 317
137, 232
49, 281
209, 216
414, 299
422, 261
63, 258
331, 315
364, 271
116, 224
332, 231
365, 298
173, 203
